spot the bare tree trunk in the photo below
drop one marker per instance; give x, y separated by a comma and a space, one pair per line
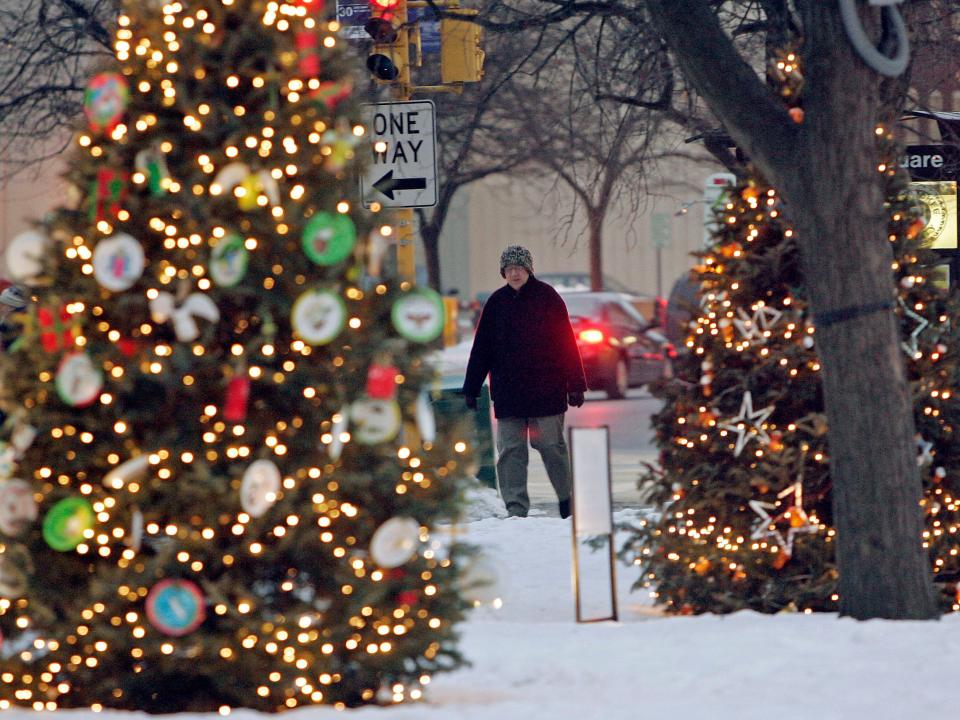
595, 221
837, 193
826, 171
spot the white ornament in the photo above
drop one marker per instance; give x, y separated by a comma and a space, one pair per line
768, 524
341, 422
197, 305
925, 451
135, 539
22, 438
911, 345
318, 316
78, 381
395, 542
756, 326
18, 509
426, 419
748, 424
375, 421
24, 255
118, 262
133, 469
260, 487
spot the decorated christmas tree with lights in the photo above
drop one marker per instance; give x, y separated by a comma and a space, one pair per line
221, 476
743, 484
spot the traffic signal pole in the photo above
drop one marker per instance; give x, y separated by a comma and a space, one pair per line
406, 253
461, 62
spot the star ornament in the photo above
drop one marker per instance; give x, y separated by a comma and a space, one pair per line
798, 522
911, 344
748, 425
754, 327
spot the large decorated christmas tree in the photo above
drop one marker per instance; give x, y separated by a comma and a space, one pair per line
221, 474
743, 485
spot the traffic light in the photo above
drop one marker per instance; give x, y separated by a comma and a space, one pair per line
390, 54
461, 58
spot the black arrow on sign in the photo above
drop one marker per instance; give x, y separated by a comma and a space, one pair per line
387, 184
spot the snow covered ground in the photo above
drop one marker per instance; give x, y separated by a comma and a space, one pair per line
531, 661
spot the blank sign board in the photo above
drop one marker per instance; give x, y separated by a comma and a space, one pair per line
589, 450
594, 581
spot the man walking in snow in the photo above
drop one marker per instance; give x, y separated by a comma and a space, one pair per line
525, 342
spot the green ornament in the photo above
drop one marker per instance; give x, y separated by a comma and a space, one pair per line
419, 316
65, 523
329, 238
229, 260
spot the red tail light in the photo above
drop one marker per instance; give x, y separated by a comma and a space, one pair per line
591, 336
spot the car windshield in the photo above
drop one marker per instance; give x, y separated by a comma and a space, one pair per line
583, 306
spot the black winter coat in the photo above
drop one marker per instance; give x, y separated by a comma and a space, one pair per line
525, 342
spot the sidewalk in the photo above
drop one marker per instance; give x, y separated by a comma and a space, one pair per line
625, 469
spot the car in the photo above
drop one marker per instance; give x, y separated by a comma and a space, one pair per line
580, 281
619, 347
649, 306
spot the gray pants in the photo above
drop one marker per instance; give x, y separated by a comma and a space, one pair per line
546, 436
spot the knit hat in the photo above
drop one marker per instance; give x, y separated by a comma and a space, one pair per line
515, 255
14, 296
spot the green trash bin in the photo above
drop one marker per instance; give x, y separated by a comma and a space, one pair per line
449, 409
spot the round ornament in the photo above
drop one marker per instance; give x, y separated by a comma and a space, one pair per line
24, 255
18, 509
66, 522
395, 542
176, 607
229, 260
329, 238
78, 380
105, 100
375, 421
118, 262
418, 316
13, 581
259, 487
318, 316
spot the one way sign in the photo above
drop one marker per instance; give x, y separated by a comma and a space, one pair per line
403, 168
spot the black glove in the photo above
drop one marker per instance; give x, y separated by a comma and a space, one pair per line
471, 402
575, 399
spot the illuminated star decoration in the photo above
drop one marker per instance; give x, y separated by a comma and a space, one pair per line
748, 424
799, 521
708, 298
910, 345
753, 327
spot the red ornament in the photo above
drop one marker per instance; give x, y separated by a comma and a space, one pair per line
109, 191
408, 597
128, 346
381, 382
238, 397
308, 45
332, 93
56, 329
